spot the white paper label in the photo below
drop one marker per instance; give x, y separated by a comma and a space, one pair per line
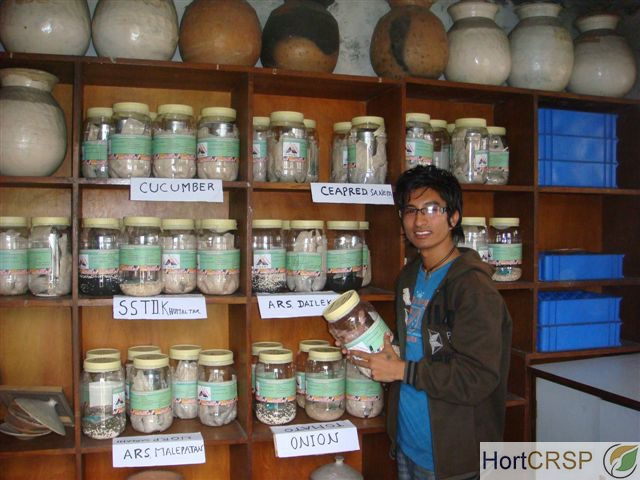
158, 450
161, 307
315, 438
352, 193
293, 305
176, 190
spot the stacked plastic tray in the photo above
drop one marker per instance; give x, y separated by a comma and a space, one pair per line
577, 149
579, 265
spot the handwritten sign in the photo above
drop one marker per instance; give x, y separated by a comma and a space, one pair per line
352, 193
158, 450
293, 305
315, 438
161, 307
176, 190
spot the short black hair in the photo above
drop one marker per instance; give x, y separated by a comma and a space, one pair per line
437, 179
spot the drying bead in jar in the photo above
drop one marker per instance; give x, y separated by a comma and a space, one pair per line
95, 142
287, 147
218, 144
218, 257
344, 256
102, 393
130, 141
475, 236
365, 398
179, 243
312, 150
151, 393
49, 256
174, 142
301, 365
217, 388
275, 387
325, 380
419, 140
141, 257
340, 152
132, 353
470, 150
306, 256
441, 144
260, 156
14, 243
183, 363
367, 150
269, 270
498, 166
505, 248
366, 253
99, 256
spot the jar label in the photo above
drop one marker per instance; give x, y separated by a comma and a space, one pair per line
345, 155
39, 261
351, 156
269, 261
505, 254
140, 258
98, 262
324, 389
294, 150
129, 147
498, 161
373, 339
480, 161
304, 264
365, 257
223, 149
260, 150
95, 152
174, 147
179, 261
185, 392
150, 403
344, 261
300, 382
104, 394
363, 389
214, 263
418, 151
218, 393
13, 261
271, 390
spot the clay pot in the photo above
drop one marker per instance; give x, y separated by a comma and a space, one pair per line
226, 32
301, 35
409, 40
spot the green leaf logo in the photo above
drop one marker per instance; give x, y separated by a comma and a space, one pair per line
620, 461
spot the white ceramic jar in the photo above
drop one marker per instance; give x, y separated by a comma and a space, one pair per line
604, 62
59, 27
541, 49
478, 49
33, 132
145, 29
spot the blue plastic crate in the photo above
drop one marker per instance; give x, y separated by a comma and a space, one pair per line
573, 122
556, 266
577, 174
578, 337
575, 307
577, 149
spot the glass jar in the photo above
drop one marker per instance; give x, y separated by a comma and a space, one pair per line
367, 150
132, 353
325, 380
130, 141
475, 236
218, 257
151, 393
418, 140
301, 365
183, 363
269, 269
141, 257
102, 391
313, 156
344, 256
287, 147
306, 256
174, 142
366, 253
49, 256
450, 128
99, 257
365, 398
113, 353
179, 243
260, 156
256, 348
340, 152
95, 142
441, 144
275, 387
505, 248
470, 150
14, 243
498, 166
217, 388
218, 144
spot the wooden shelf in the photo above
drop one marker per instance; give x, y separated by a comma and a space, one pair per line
51, 444
622, 282
591, 191
48, 182
233, 299
29, 300
544, 357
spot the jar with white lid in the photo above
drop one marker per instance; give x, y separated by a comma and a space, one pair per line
306, 256
470, 150
217, 388
95, 142
340, 152
132, 353
260, 156
344, 256
218, 144
105, 353
102, 393
275, 387
475, 236
505, 248
441, 144
218, 257
325, 384
498, 166
179, 244
256, 348
269, 268
151, 393
99, 257
287, 147
130, 141
141, 257
418, 140
174, 142
313, 155
49, 256
365, 398
183, 363
14, 243
367, 150
301, 365
363, 226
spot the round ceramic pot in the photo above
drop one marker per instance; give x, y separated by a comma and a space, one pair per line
146, 29
604, 63
541, 49
220, 31
478, 49
33, 133
409, 40
60, 27
301, 35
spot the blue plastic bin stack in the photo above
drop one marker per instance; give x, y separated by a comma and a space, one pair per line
577, 149
578, 265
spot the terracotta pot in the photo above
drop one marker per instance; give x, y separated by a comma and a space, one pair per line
301, 35
409, 40
226, 32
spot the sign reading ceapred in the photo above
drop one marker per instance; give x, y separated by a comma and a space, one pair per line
352, 193
176, 190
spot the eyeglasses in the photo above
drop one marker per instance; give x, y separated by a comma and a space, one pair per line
430, 210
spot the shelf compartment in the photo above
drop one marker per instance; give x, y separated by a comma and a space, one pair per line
48, 182
233, 299
29, 300
544, 357
44, 201
51, 444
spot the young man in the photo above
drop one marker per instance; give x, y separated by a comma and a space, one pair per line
454, 333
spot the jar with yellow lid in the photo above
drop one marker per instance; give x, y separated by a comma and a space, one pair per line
275, 387
470, 150
151, 393
476, 236
179, 245
256, 348
313, 155
325, 384
218, 257
49, 256
217, 388
14, 243
365, 397
367, 150
306, 256
183, 363
218, 144
340, 152
132, 353
141, 257
287, 147
505, 248
269, 269
301, 365
441, 144
418, 140
95, 142
174, 142
259, 155
363, 226
344, 256
99, 257
102, 397
130, 141
498, 166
